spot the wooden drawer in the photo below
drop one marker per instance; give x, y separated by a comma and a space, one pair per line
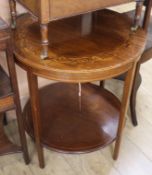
62, 8
56, 9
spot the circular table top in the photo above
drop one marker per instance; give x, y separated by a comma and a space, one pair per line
82, 49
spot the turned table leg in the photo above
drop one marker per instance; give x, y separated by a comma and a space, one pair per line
124, 106
138, 13
44, 40
14, 83
13, 13
35, 107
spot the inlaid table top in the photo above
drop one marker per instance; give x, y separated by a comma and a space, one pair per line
77, 54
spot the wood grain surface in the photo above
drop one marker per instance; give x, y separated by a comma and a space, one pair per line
67, 127
108, 50
48, 10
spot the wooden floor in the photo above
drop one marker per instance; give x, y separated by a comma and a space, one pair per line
136, 150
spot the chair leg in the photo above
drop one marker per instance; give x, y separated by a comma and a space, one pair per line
13, 77
136, 84
5, 119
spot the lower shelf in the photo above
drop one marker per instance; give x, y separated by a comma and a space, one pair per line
6, 146
72, 124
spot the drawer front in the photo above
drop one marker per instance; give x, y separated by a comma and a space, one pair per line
31, 5
66, 8
57, 9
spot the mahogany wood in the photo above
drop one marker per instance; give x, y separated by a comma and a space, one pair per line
136, 84
34, 101
109, 48
145, 57
124, 106
74, 57
14, 84
49, 10
9, 97
69, 128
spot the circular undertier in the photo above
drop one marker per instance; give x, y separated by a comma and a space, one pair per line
74, 125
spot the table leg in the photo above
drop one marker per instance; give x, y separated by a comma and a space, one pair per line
35, 107
124, 106
13, 77
44, 40
12, 4
136, 84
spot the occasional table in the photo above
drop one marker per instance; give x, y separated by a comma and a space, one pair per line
75, 116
